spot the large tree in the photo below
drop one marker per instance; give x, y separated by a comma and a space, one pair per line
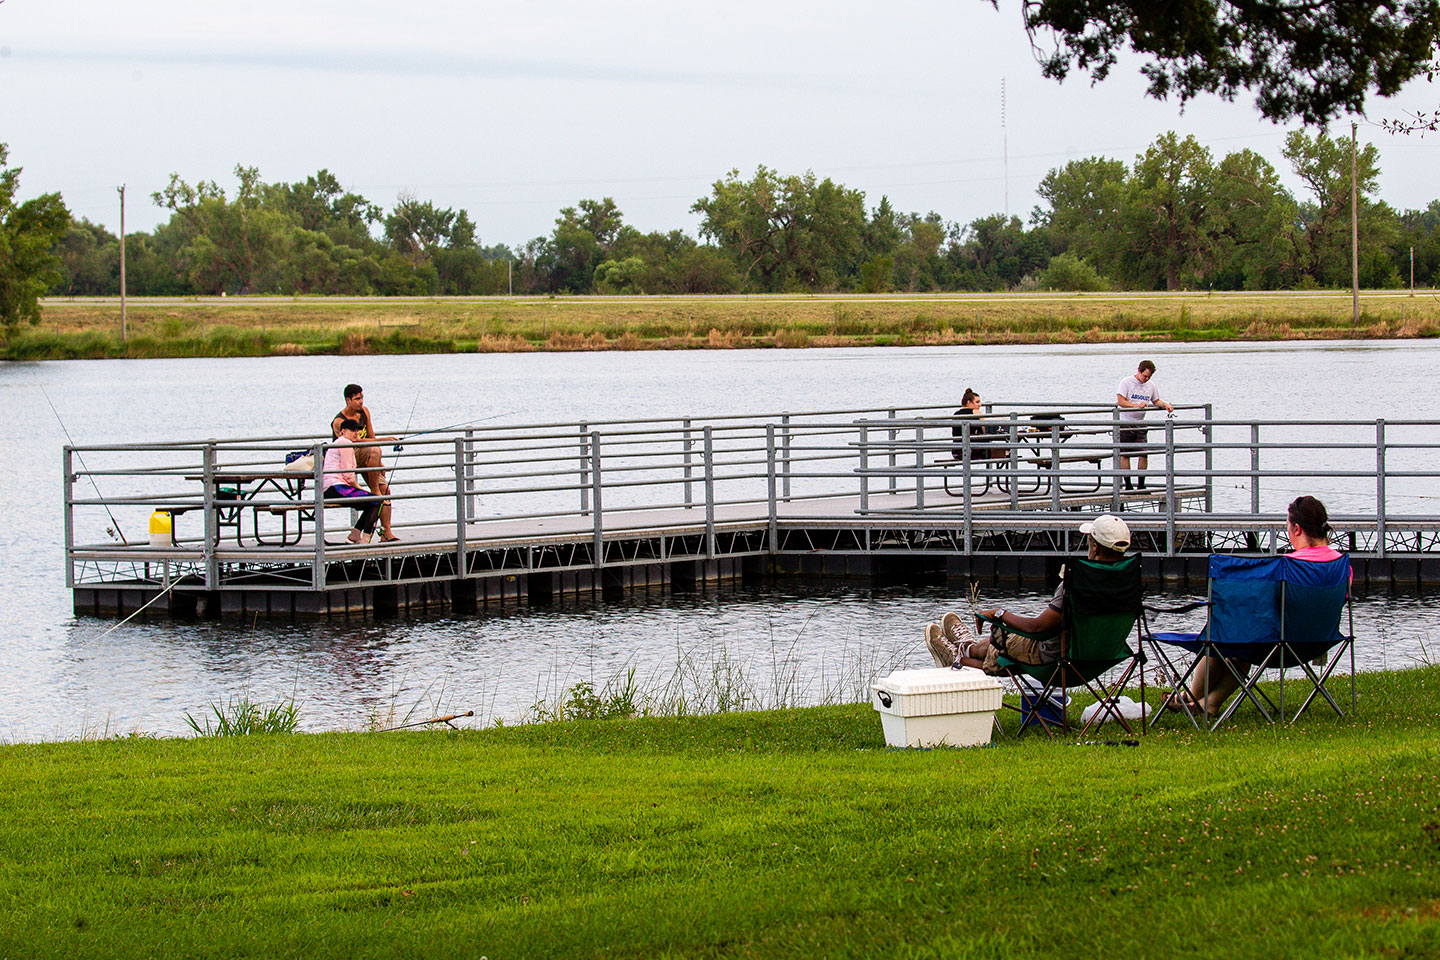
1306, 59
28, 234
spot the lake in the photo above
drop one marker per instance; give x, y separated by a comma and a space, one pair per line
66, 676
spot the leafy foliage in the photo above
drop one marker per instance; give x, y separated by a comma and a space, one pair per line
28, 232
1310, 60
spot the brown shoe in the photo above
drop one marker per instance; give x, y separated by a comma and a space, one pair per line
940, 650
957, 633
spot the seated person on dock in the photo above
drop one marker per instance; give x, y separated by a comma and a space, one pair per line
952, 644
367, 458
340, 480
1308, 526
981, 435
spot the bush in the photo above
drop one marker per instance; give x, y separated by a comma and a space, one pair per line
1072, 273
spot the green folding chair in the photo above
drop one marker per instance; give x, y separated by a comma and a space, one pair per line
1100, 608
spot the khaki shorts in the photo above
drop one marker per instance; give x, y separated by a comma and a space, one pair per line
367, 458
1020, 649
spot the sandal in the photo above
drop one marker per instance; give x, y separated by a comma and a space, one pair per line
390, 539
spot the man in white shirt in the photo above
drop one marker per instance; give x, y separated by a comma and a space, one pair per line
1134, 396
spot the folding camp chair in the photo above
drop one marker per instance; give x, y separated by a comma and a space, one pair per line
1100, 607
1272, 613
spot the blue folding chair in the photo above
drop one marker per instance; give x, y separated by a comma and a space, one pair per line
1270, 613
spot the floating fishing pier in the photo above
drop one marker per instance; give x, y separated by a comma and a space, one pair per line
492, 514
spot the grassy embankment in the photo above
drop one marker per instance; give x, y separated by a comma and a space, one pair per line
782, 834
240, 327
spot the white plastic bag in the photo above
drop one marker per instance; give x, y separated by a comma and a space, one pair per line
1126, 707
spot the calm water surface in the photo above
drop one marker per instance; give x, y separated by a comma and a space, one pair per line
65, 676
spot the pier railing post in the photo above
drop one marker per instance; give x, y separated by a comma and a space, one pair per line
67, 463
920, 466
598, 543
785, 456
1169, 487
709, 494
966, 472
1115, 460
471, 500
462, 500
212, 521
1255, 467
1380, 525
1012, 461
317, 569
894, 480
770, 483
1055, 467
687, 444
864, 470
1208, 430
587, 454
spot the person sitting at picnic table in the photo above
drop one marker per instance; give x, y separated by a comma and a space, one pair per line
952, 644
340, 480
1308, 526
981, 435
367, 457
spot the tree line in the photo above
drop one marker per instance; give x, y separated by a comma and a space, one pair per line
1176, 218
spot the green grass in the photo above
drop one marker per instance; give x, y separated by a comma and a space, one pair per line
241, 326
781, 834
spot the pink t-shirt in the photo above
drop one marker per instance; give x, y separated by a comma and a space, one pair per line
340, 457
1320, 554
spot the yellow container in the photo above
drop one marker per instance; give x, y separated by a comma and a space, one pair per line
161, 529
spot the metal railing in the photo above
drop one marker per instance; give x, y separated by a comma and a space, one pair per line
461, 490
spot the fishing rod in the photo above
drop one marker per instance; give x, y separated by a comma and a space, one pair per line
456, 426
445, 720
116, 532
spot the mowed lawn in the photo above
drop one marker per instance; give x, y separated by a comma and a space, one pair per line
784, 834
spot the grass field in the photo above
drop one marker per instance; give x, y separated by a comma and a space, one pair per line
782, 834
240, 326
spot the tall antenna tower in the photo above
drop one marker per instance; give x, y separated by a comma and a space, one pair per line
1005, 147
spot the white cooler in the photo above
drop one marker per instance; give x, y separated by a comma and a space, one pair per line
932, 708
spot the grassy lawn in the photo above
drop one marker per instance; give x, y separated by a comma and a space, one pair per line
238, 326
782, 834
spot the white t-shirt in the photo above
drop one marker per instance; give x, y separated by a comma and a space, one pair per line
1136, 392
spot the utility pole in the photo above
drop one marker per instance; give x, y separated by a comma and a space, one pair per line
1412, 271
123, 331
1005, 147
1354, 234
510, 276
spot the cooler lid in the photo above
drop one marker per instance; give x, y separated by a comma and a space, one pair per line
936, 680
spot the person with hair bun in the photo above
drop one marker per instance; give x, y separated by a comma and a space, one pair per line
1308, 526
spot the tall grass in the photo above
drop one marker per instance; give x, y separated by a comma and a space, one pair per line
73, 329
240, 716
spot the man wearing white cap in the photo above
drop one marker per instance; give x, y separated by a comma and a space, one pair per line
952, 644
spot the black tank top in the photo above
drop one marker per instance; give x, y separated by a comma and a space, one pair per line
362, 416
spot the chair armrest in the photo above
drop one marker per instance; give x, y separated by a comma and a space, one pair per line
1184, 608
1009, 629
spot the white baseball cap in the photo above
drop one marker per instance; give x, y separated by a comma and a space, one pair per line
1109, 531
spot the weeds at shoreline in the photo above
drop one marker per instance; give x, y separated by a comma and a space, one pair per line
240, 716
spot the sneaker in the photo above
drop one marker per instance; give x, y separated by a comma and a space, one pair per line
940, 650
957, 633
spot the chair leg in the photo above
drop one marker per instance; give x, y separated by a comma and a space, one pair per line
1319, 683
1179, 690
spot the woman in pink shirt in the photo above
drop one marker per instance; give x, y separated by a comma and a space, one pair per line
1308, 525
340, 481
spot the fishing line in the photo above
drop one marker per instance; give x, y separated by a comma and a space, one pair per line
137, 613
116, 532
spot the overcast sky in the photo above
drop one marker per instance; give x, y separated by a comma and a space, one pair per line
514, 110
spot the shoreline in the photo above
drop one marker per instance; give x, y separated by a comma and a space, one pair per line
269, 326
